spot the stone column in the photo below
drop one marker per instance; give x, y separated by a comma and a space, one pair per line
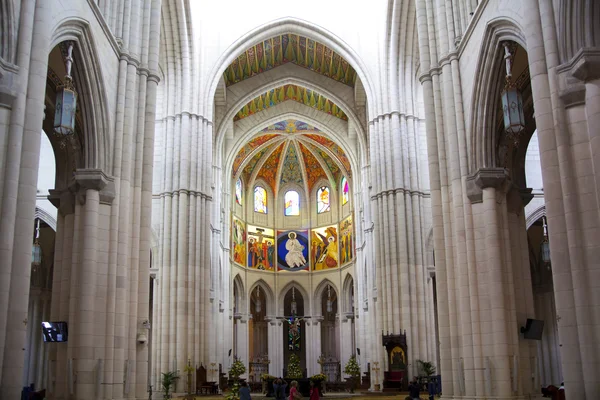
346, 345
315, 346
242, 351
19, 190
275, 353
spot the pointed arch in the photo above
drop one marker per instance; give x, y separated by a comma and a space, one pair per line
300, 288
97, 121
269, 296
46, 217
486, 92
238, 296
318, 295
294, 26
349, 293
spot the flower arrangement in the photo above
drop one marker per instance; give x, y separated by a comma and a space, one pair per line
352, 368
189, 368
267, 377
237, 368
294, 371
318, 378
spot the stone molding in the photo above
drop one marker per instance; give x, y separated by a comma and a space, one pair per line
573, 95
9, 82
584, 66
94, 179
484, 178
184, 191
400, 190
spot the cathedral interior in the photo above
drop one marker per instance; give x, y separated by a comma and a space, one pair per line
404, 187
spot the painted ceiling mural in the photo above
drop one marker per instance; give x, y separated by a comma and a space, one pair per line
247, 149
314, 169
281, 151
337, 150
292, 48
332, 165
268, 171
291, 172
290, 92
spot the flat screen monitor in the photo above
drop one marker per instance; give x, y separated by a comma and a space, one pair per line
55, 331
533, 329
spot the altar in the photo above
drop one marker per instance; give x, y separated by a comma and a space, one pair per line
396, 374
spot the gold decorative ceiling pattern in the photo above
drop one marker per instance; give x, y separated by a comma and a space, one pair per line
291, 151
292, 48
290, 92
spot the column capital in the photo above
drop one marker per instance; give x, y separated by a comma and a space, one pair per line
94, 179
485, 178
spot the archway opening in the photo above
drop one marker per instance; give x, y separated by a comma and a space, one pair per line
294, 332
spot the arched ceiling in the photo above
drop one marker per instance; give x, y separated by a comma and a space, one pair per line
291, 151
292, 48
290, 92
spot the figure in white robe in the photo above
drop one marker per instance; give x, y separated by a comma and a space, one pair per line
294, 257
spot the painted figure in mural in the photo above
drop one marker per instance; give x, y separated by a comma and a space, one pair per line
270, 254
252, 253
239, 239
294, 257
326, 252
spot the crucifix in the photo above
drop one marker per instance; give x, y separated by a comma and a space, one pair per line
376, 369
294, 322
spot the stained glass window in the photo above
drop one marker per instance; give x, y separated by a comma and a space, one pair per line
345, 190
292, 203
260, 200
238, 191
323, 204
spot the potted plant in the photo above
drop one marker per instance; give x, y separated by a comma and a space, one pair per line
168, 381
236, 370
353, 369
426, 367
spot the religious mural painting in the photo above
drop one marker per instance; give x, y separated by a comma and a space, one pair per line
324, 248
238, 241
261, 248
345, 191
346, 240
292, 250
397, 359
238, 191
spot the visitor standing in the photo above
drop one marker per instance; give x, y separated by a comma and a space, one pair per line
314, 391
294, 393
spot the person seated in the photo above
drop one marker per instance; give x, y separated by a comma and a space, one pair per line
245, 392
414, 389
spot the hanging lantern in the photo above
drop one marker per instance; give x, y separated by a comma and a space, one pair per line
36, 253
66, 102
36, 249
545, 244
329, 302
293, 305
258, 304
512, 102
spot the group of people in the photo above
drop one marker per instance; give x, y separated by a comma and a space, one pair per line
279, 389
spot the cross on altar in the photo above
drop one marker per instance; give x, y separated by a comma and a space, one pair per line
376, 369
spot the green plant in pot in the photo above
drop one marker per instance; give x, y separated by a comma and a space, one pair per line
426, 367
168, 381
236, 370
353, 369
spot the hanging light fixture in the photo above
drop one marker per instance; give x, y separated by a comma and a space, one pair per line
258, 305
66, 102
293, 305
329, 302
36, 249
545, 244
512, 102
